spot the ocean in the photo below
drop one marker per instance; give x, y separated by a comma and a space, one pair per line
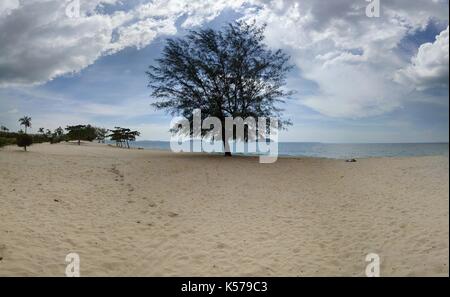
338, 150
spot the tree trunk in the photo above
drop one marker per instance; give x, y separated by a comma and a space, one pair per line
25, 148
79, 141
226, 144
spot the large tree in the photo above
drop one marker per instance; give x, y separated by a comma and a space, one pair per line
224, 73
123, 136
24, 140
81, 132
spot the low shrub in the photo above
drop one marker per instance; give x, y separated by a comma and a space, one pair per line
7, 141
24, 140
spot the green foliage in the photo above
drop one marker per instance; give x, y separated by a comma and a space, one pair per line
59, 132
11, 136
123, 136
57, 136
101, 134
8, 134
24, 140
39, 138
7, 138
81, 132
7, 141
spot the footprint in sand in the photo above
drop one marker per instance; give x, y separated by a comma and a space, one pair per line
119, 175
172, 214
2, 251
221, 245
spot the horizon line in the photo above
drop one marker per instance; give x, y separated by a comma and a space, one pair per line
326, 142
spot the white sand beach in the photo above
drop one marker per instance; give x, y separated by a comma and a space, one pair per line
150, 213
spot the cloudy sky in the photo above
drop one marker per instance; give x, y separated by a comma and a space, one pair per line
357, 79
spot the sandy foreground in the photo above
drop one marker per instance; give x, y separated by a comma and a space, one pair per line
149, 213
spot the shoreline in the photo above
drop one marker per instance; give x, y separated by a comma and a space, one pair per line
288, 156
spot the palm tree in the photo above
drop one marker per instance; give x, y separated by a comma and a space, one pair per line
41, 130
26, 122
4, 129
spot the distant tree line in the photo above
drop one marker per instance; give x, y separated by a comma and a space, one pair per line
121, 136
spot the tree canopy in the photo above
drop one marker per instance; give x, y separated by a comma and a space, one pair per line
101, 134
26, 122
24, 140
123, 136
81, 132
224, 73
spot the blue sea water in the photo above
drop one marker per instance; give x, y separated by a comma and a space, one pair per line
338, 150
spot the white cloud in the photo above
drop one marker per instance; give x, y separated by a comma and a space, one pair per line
39, 42
430, 67
6, 6
351, 58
